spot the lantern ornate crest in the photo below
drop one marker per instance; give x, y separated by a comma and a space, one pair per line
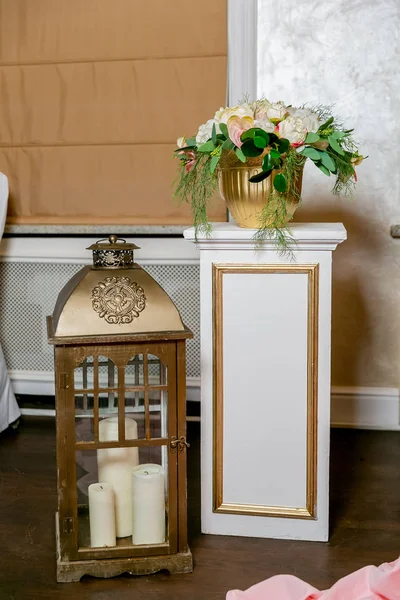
119, 345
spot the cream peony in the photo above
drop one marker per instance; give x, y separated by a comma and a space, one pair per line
181, 142
276, 111
293, 130
309, 118
205, 131
265, 124
241, 110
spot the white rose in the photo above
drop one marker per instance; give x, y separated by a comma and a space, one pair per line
265, 124
241, 110
277, 111
293, 130
308, 116
205, 131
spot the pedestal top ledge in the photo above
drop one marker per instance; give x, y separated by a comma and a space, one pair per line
307, 236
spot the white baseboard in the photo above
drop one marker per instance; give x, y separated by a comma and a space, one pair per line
365, 408
356, 407
41, 383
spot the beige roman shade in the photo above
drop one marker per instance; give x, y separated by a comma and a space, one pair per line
94, 93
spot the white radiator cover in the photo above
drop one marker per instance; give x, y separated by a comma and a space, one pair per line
33, 271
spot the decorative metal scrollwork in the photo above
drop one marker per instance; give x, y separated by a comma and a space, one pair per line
118, 300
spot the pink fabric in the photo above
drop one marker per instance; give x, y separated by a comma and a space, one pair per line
369, 583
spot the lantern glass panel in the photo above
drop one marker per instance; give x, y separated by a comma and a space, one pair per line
134, 372
84, 375
144, 503
108, 373
84, 416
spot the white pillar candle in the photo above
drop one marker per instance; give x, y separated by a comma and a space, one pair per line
148, 513
115, 467
101, 515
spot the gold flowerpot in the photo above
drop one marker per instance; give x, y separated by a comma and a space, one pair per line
246, 200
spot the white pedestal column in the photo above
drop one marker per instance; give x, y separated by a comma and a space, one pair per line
265, 382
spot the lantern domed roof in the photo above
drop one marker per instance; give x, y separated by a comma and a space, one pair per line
113, 297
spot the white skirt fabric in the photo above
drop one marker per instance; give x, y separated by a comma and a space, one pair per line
9, 411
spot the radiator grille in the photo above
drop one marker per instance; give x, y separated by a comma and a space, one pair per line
28, 292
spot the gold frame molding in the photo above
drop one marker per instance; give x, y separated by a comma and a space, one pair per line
219, 506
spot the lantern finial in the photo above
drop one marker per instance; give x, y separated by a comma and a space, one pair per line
113, 253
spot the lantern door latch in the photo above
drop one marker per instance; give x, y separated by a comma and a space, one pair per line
63, 381
180, 443
68, 525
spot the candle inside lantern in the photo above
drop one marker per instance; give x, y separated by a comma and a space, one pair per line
148, 504
101, 515
115, 467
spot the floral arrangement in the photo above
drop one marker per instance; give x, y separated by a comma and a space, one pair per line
284, 137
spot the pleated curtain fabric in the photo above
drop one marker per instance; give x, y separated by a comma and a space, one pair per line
94, 93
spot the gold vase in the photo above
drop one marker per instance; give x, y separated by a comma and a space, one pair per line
246, 200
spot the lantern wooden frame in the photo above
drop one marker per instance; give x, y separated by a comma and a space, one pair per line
74, 562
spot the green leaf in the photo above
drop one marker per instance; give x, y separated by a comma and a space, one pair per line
280, 183
248, 135
214, 162
268, 162
228, 144
260, 142
334, 144
261, 133
273, 138
326, 124
214, 134
275, 153
310, 153
338, 135
249, 149
311, 138
224, 129
322, 168
240, 155
260, 176
191, 142
283, 145
207, 147
328, 161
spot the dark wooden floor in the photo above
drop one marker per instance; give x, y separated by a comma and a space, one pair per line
365, 525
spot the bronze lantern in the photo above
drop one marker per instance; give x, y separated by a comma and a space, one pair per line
119, 344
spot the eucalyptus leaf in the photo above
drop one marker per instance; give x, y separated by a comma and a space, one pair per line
224, 129
213, 164
191, 142
328, 162
207, 147
280, 183
240, 155
311, 138
260, 176
228, 144
249, 149
334, 144
310, 153
214, 134
322, 168
260, 142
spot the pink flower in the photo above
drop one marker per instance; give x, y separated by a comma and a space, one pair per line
191, 159
236, 126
